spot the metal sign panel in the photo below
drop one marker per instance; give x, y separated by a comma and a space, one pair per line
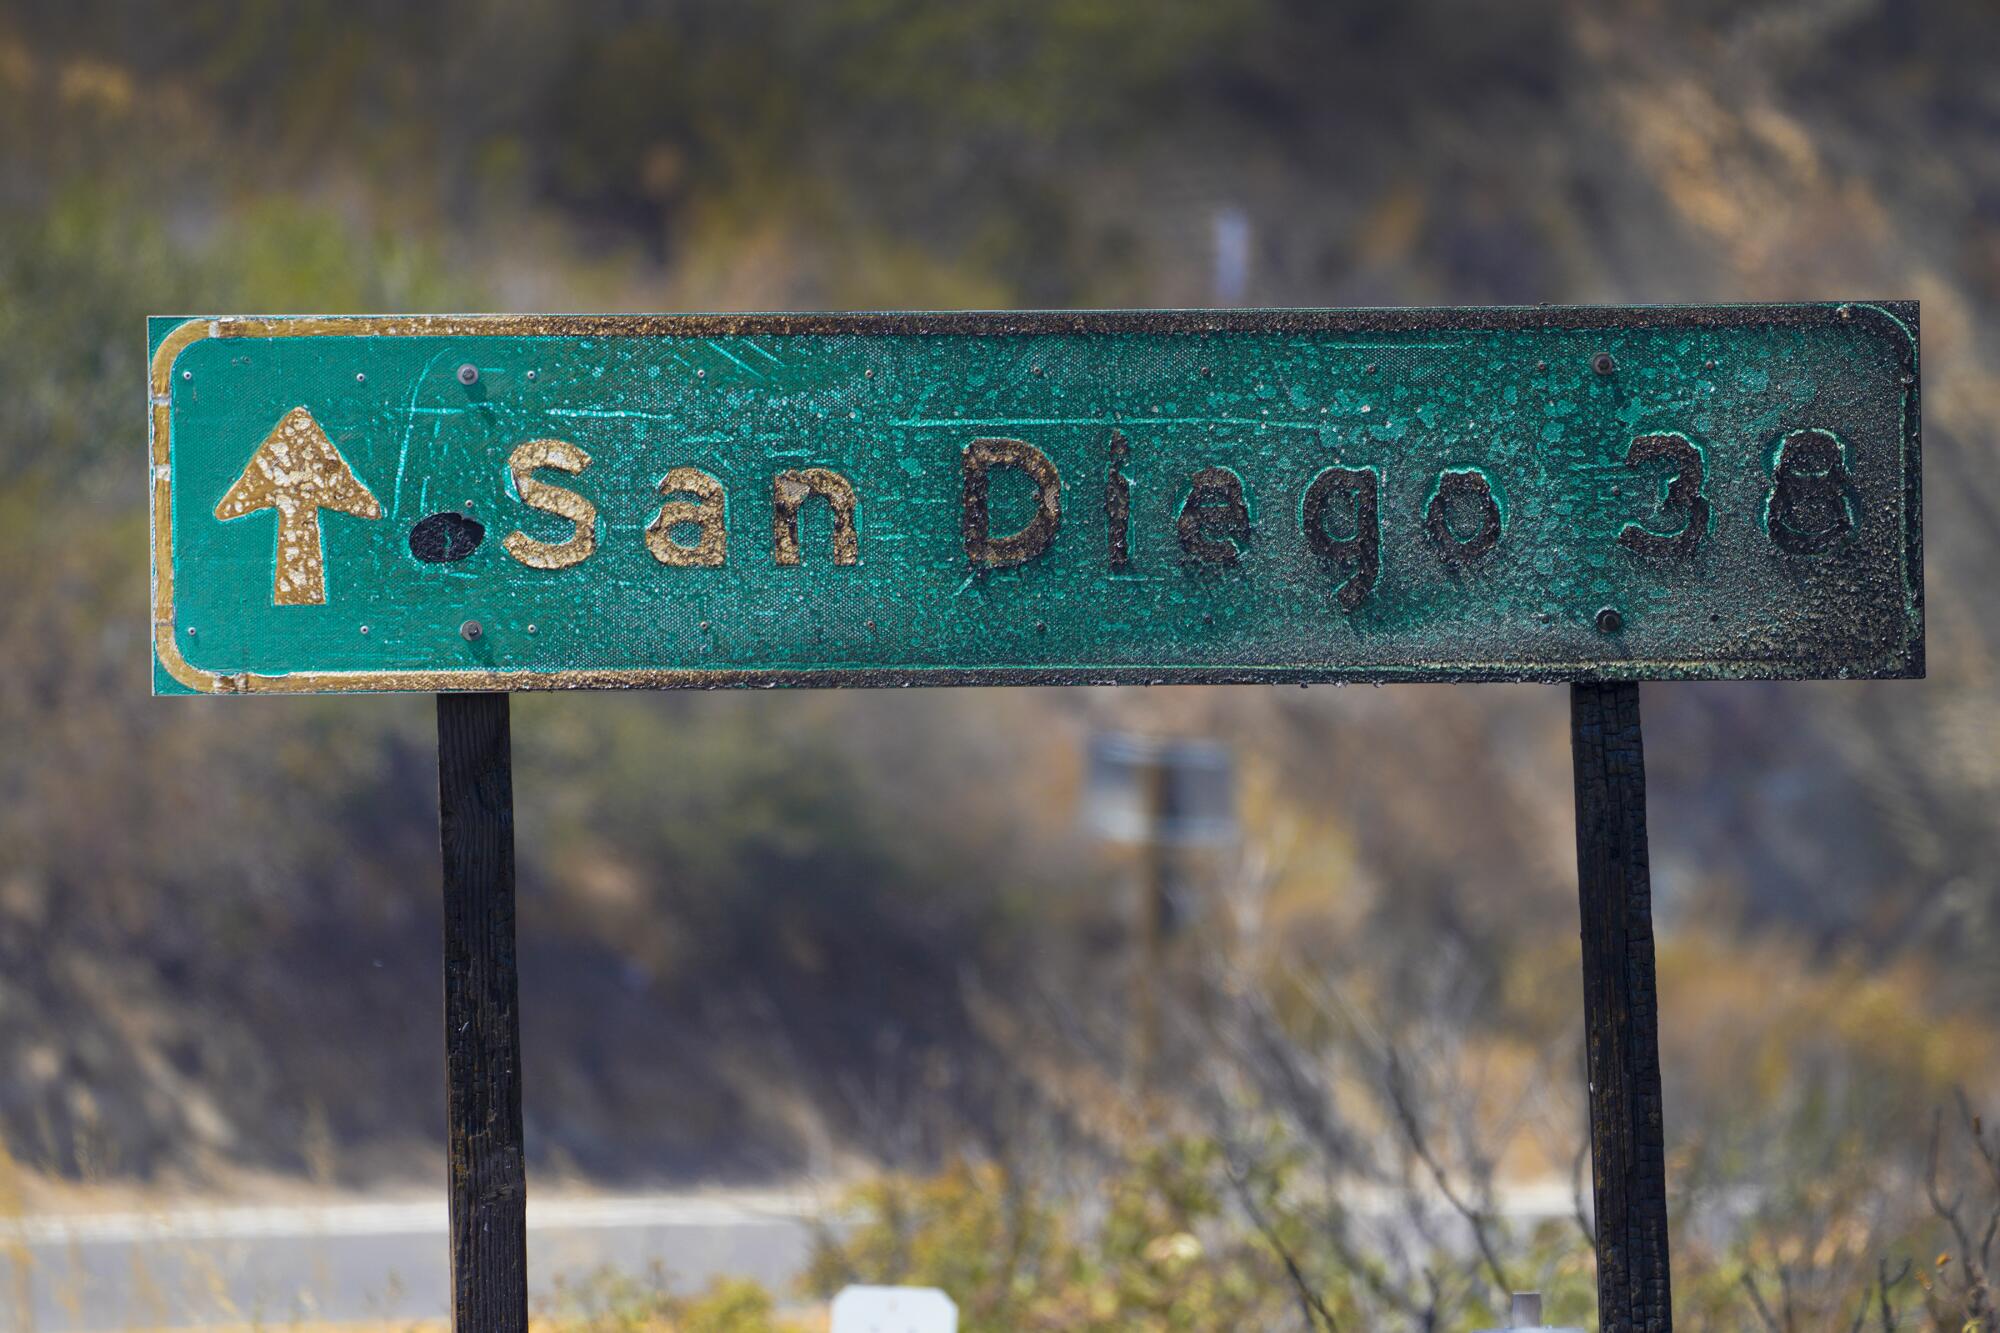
540, 502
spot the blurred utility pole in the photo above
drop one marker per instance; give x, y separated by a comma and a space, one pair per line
1156, 906
1164, 796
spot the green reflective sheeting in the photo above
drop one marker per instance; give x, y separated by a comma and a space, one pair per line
438, 503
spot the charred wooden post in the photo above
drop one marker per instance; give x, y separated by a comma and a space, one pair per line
482, 1039
1621, 1010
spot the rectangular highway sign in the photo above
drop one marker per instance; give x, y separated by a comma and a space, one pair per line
513, 502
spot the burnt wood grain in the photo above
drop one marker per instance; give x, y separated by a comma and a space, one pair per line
482, 1046
1621, 1010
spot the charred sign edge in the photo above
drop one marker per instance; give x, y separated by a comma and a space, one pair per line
1897, 320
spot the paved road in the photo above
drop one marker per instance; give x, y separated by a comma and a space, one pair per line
360, 1261
354, 1262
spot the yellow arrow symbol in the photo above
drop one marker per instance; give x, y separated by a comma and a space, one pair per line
298, 472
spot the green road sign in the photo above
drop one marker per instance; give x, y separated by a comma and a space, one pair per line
536, 502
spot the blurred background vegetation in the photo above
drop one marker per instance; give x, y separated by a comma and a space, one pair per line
829, 935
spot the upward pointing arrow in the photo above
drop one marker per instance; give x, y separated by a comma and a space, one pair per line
298, 472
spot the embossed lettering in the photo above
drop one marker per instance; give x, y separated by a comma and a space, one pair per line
1684, 498
582, 514
789, 492
1812, 505
1118, 504
709, 512
981, 456
1359, 491
1214, 524
1458, 488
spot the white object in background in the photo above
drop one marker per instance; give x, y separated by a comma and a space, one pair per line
1160, 791
894, 1310
1526, 1313
1230, 227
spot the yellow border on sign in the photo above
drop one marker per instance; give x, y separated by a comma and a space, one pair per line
165, 645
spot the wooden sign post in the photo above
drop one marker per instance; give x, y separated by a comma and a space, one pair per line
482, 1016
472, 505
1621, 1010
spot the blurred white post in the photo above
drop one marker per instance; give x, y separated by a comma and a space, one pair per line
894, 1310
1231, 229
1525, 1312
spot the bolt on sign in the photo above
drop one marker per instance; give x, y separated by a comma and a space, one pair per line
541, 502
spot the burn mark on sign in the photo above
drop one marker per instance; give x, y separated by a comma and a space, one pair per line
981, 548
1684, 496
1118, 505
1812, 505
446, 537
1461, 489
1359, 490
1214, 525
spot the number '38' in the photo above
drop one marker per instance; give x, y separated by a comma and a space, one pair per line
1812, 505
1810, 508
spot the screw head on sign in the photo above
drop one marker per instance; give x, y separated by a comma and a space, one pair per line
1603, 363
468, 374
1610, 621
470, 630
